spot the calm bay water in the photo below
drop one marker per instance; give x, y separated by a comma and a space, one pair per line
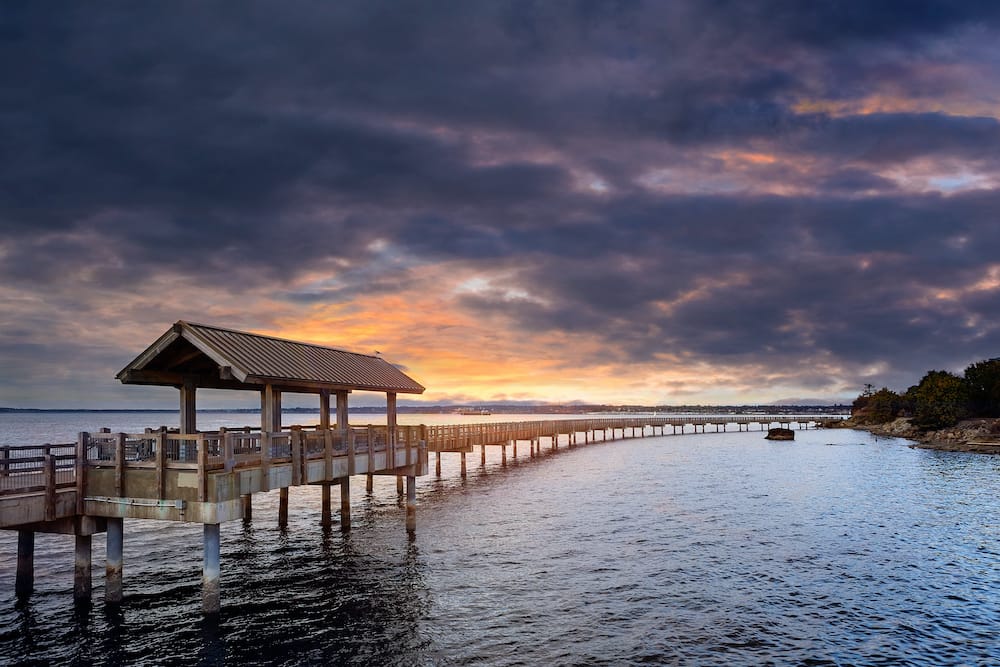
712, 549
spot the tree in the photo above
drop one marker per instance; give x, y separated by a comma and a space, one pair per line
877, 407
983, 380
940, 400
884, 406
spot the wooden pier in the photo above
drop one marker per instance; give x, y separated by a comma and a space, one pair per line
90, 486
184, 474
464, 438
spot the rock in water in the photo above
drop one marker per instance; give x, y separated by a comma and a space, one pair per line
780, 434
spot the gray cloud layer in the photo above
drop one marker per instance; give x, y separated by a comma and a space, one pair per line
583, 148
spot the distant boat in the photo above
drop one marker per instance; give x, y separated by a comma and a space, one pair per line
474, 411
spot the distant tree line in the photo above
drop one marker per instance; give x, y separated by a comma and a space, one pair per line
939, 400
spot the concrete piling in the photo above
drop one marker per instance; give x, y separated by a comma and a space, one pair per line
282, 507
211, 571
82, 584
411, 503
114, 562
24, 584
326, 515
345, 503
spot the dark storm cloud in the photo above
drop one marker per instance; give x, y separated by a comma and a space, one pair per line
894, 138
253, 144
776, 278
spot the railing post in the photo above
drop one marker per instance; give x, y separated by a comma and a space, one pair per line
202, 467
265, 460
228, 453
371, 449
82, 441
296, 443
120, 464
409, 445
50, 484
349, 436
161, 459
327, 454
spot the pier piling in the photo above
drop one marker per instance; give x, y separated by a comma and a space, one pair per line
114, 561
82, 583
411, 503
345, 503
282, 507
212, 570
326, 516
24, 584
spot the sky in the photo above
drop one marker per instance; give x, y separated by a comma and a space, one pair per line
670, 202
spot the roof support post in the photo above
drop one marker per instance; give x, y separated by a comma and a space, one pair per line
390, 421
189, 418
324, 409
342, 410
270, 409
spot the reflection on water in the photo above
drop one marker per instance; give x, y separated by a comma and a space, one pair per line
700, 549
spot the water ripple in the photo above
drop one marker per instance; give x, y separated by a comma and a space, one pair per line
702, 550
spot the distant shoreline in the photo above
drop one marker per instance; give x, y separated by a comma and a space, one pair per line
977, 436
493, 408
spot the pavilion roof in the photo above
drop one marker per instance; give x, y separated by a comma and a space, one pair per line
214, 357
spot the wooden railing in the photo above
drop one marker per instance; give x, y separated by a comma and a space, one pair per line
459, 436
31, 469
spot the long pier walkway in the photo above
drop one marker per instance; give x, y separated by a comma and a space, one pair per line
91, 485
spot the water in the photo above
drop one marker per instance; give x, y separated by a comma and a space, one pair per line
714, 549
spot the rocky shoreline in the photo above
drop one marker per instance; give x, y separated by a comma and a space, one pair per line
971, 435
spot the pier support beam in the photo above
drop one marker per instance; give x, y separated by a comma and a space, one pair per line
25, 581
114, 561
503, 455
463, 465
247, 500
188, 405
514, 451
437, 463
399, 485
411, 504
482, 455
326, 516
345, 503
212, 570
282, 507
82, 584
370, 484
